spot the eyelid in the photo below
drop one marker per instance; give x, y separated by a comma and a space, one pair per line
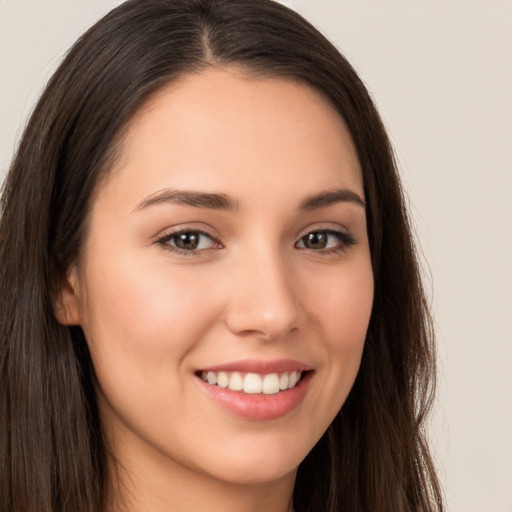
194, 227
323, 226
167, 235
345, 237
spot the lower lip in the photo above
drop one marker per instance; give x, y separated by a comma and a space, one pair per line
258, 406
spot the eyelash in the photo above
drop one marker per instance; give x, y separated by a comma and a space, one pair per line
165, 239
346, 240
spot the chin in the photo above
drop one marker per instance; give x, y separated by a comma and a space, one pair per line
255, 474
263, 463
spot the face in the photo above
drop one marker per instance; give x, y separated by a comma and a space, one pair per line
225, 285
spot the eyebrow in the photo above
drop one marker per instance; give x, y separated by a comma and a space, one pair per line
216, 201
210, 201
330, 197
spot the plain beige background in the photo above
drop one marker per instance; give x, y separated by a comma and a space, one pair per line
441, 74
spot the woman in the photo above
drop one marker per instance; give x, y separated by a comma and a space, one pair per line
210, 292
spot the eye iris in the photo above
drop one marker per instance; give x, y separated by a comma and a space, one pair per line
316, 240
187, 241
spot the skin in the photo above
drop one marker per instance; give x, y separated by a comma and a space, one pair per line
153, 317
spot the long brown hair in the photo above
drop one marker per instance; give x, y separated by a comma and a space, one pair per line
374, 457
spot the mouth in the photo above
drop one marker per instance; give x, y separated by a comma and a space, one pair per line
253, 383
257, 390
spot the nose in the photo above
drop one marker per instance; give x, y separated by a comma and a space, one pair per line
264, 302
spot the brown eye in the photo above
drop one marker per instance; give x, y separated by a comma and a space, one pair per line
326, 240
316, 240
188, 241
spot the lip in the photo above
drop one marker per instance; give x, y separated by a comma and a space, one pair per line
258, 407
259, 366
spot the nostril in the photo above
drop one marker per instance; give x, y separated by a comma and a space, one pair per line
267, 324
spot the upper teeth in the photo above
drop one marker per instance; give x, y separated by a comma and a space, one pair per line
253, 383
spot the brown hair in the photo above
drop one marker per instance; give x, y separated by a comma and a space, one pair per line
374, 456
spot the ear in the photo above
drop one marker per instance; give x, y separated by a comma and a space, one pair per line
66, 305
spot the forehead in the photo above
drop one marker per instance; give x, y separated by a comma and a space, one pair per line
221, 129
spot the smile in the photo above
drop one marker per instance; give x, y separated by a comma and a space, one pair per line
253, 383
257, 390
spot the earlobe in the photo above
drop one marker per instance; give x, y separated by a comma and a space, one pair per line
66, 305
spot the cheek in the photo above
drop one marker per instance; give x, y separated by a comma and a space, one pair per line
341, 306
342, 303
140, 317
